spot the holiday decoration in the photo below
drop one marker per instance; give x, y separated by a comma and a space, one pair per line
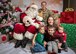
69, 9
67, 17
3, 38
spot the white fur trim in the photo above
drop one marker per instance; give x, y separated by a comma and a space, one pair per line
20, 23
29, 35
39, 18
18, 36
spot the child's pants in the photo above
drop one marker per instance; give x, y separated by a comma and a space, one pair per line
38, 48
52, 46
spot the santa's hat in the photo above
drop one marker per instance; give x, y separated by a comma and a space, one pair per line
18, 9
34, 6
27, 8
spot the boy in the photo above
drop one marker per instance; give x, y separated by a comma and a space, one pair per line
62, 42
50, 39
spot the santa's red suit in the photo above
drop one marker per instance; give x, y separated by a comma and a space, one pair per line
25, 31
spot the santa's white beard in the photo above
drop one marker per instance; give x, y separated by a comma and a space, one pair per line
31, 12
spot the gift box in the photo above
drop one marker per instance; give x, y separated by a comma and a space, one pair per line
67, 17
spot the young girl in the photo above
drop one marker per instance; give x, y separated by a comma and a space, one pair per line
62, 42
51, 22
38, 41
50, 39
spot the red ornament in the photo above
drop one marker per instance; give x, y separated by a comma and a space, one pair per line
4, 38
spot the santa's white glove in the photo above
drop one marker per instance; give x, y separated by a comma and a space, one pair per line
39, 18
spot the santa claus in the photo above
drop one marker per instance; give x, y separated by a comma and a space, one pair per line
23, 32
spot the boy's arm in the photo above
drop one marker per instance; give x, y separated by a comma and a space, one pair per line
33, 41
45, 43
64, 35
56, 34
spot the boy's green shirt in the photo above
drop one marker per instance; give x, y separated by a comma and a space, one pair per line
40, 38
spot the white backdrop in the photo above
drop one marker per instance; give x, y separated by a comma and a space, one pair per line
51, 4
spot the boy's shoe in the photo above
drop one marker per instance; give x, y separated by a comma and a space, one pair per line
18, 43
16, 46
66, 50
31, 50
24, 42
59, 50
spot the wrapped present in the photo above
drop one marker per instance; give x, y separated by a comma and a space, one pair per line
67, 17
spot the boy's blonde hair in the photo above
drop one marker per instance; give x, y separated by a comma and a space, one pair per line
61, 27
41, 27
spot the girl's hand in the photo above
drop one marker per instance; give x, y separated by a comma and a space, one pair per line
64, 41
33, 43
